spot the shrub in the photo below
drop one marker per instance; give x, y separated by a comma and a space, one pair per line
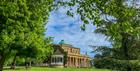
126, 65
103, 63
119, 65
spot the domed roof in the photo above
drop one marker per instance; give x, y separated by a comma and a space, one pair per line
62, 42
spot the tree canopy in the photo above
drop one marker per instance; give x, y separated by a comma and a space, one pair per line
22, 24
119, 20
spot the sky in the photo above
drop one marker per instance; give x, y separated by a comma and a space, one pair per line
63, 27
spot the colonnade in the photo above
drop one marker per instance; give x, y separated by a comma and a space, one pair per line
77, 62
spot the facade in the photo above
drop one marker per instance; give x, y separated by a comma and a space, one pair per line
68, 56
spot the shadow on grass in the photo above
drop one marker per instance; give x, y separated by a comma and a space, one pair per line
17, 68
12, 69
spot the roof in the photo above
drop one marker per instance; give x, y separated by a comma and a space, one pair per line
62, 51
58, 48
68, 45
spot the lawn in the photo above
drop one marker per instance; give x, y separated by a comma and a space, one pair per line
57, 69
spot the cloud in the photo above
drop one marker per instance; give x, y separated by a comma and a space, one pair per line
61, 26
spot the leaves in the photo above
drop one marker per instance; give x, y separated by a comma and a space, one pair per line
83, 27
22, 26
70, 13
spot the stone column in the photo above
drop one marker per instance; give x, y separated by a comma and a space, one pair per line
76, 62
73, 62
79, 62
70, 61
83, 62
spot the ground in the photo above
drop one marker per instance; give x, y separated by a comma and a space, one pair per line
57, 69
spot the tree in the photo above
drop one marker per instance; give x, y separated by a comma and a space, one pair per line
22, 24
34, 53
117, 19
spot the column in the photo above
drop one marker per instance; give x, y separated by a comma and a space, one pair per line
80, 62
73, 61
76, 62
70, 61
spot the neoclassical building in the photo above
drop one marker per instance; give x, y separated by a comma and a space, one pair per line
68, 56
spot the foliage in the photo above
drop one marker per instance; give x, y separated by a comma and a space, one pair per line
114, 64
117, 19
22, 26
124, 65
103, 63
112, 58
103, 57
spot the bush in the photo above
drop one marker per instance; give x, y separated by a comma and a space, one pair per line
126, 65
119, 65
103, 63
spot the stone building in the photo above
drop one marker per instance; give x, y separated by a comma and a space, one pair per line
68, 56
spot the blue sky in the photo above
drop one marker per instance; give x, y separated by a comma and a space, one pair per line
62, 27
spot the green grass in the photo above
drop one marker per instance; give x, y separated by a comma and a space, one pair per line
57, 69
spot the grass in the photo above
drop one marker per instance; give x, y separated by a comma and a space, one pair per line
56, 69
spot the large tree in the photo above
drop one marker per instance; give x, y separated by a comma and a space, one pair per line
22, 25
117, 19
33, 53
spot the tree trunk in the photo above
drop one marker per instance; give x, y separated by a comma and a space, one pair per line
30, 64
124, 45
2, 60
13, 65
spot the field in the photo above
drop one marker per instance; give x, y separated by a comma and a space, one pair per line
57, 69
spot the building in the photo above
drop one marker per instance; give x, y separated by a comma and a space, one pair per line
68, 56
